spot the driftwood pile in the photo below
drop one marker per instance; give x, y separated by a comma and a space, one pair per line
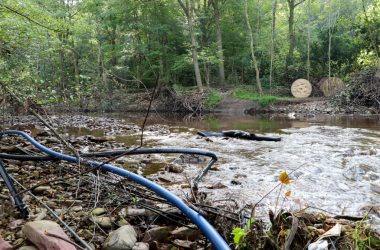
363, 89
182, 101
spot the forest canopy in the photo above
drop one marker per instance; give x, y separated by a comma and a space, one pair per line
70, 50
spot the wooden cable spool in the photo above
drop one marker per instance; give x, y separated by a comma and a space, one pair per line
301, 88
331, 86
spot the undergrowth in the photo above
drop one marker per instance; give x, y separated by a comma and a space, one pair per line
213, 99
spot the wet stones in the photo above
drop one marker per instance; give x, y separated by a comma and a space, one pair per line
123, 238
174, 168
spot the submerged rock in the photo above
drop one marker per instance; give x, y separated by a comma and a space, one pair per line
123, 238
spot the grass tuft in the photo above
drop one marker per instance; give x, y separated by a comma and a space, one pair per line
263, 100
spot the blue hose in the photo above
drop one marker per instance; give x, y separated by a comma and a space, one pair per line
203, 225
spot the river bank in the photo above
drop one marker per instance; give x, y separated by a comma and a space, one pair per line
227, 103
93, 133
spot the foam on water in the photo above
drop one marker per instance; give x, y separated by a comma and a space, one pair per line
333, 167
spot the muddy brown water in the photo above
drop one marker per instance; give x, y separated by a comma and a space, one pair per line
333, 160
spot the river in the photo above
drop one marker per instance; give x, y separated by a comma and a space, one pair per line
334, 162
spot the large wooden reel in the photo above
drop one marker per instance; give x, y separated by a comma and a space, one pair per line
301, 88
331, 86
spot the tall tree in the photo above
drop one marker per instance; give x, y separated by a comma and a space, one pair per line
254, 60
188, 8
273, 34
219, 42
292, 4
308, 40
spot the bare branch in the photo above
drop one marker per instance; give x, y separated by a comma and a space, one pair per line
295, 5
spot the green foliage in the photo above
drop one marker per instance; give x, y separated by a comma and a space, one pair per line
213, 99
363, 238
96, 48
263, 100
240, 233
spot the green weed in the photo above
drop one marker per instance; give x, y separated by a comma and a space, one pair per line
263, 100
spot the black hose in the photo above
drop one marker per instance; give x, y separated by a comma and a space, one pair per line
16, 198
114, 153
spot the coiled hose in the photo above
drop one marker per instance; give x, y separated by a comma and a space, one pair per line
204, 226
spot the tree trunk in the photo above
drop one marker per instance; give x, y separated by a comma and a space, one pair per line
112, 34
62, 78
254, 60
292, 37
188, 8
330, 36
289, 58
273, 33
219, 42
308, 40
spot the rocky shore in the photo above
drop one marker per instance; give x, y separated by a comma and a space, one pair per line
109, 212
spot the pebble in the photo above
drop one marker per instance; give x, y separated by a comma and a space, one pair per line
157, 234
41, 189
185, 233
28, 248
123, 238
104, 222
141, 246
122, 222
98, 211
15, 224
174, 168
185, 244
76, 208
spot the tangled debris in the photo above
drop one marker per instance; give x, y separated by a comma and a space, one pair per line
362, 90
182, 101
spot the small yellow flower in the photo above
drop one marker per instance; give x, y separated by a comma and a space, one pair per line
284, 178
287, 194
